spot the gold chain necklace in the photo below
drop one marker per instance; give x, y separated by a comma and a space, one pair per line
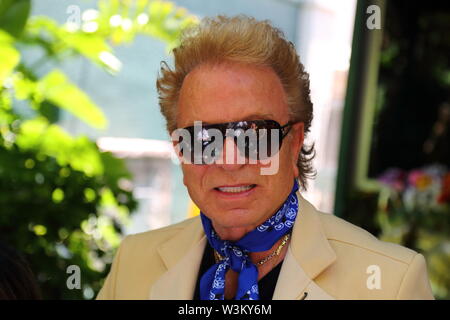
276, 252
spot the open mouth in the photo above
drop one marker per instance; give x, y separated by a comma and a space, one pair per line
236, 189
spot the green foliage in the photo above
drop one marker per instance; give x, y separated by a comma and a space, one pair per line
62, 201
14, 15
411, 131
120, 21
9, 56
424, 231
58, 90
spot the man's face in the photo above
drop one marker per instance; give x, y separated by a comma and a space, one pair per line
234, 92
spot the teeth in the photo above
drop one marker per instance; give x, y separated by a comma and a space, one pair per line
236, 189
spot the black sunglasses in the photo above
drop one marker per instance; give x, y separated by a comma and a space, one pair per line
254, 140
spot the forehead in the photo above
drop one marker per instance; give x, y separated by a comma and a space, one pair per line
231, 92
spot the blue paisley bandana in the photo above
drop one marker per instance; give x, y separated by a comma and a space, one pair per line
212, 283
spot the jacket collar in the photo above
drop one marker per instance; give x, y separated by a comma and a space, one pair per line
309, 254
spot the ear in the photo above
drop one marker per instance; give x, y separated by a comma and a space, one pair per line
297, 139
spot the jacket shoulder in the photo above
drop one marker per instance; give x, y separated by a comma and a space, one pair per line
367, 268
137, 263
344, 233
158, 236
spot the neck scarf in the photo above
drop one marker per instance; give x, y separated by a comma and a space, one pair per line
212, 283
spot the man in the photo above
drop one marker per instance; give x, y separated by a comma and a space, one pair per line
256, 237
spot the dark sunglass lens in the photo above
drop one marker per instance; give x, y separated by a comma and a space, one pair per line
270, 138
184, 147
211, 150
252, 138
211, 140
247, 143
266, 147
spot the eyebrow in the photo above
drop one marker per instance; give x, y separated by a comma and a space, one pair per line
254, 116
259, 116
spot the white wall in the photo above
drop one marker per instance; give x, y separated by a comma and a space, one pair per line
324, 37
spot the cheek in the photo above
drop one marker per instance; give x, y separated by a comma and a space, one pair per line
294, 159
193, 175
296, 171
289, 162
294, 152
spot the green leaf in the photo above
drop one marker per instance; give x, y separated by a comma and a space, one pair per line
14, 15
94, 48
24, 88
56, 88
49, 111
89, 45
51, 140
9, 56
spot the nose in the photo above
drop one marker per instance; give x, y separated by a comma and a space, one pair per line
231, 159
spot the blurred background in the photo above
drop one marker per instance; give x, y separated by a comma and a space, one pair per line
85, 158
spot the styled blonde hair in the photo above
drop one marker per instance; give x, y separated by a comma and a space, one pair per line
240, 39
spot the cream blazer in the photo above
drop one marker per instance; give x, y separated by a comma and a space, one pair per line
327, 258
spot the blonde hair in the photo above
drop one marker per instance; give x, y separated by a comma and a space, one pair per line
245, 40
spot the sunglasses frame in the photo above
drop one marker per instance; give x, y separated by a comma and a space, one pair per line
236, 125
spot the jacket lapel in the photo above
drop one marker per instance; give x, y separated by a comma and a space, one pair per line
309, 253
294, 284
182, 256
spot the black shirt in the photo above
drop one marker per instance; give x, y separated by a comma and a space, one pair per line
266, 284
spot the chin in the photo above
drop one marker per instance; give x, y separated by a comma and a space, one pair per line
236, 218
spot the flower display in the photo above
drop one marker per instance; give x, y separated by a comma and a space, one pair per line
414, 211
